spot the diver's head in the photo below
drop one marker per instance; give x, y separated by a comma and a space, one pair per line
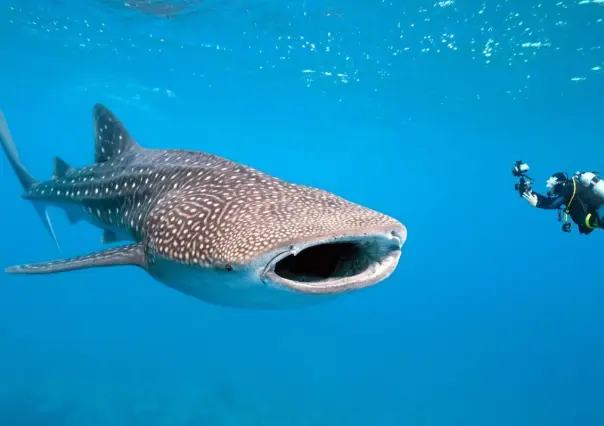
556, 182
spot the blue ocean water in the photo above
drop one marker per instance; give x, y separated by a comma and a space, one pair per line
417, 109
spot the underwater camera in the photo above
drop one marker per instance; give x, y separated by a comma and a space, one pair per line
524, 182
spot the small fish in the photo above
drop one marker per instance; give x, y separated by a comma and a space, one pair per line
211, 228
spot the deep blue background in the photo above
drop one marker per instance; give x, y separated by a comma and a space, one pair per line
494, 316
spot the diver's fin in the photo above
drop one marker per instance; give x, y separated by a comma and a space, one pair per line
133, 254
61, 168
111, 137
26, 179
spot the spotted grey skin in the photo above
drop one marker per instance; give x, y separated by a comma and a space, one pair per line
209, 227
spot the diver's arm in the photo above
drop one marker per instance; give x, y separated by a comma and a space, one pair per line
543, 202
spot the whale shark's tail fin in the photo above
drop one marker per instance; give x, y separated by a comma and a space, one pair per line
26, 179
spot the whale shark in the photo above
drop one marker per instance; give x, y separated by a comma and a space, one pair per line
214, 229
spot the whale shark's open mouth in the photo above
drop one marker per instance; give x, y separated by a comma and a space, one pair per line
336, 265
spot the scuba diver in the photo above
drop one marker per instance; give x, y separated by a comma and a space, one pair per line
582, 195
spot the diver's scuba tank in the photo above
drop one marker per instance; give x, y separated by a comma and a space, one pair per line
593, 182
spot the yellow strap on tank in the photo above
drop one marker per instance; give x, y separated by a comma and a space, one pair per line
571, 200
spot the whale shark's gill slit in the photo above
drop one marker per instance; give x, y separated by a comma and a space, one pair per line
327, 261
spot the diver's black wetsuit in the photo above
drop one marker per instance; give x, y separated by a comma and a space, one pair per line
580, 205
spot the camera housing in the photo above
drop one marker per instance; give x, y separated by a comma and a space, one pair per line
524, 182
520, 168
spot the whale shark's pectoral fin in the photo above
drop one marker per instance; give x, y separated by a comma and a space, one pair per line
133, 254
109, 237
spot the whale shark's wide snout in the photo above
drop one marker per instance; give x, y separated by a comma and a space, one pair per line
307, 241
336, 264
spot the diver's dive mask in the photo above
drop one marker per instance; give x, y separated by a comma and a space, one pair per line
556, 182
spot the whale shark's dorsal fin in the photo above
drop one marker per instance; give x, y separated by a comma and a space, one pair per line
111, 137
61, 168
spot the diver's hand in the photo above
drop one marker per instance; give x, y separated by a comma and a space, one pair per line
530, 197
